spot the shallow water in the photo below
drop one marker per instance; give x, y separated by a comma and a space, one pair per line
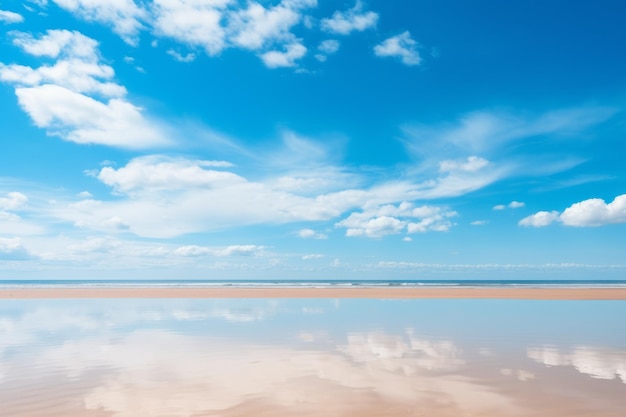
287, 357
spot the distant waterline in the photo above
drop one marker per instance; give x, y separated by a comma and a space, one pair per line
331, 283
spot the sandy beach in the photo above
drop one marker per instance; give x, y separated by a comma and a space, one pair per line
362, 292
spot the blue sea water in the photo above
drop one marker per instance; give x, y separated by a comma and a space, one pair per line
65, 283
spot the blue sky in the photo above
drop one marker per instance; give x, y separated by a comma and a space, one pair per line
312, 139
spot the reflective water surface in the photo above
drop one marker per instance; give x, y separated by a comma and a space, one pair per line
285, 357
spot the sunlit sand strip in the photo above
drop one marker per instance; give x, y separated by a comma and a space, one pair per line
389, 293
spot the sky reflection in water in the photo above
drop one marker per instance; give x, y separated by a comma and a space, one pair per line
128, 358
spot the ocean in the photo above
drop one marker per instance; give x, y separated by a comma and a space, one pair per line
118, 283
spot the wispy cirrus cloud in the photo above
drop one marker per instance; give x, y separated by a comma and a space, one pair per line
486, 132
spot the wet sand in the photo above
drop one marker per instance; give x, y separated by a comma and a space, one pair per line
362, 292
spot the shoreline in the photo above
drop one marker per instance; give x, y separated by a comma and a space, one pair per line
320, 292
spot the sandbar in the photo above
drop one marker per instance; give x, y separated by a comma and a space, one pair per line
324, 292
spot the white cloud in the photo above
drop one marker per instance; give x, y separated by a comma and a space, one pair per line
595, 212
82, 119
479, 222
484, 132
329, 46
312, 256
240, 250
13, 250
159, 196
512, 205
123, 15
375, 227
74, 74
192, 22
587, 213
351, 20
540, 219
58, 43
325, 48
95, 245
286, 58
57, 97
257, 26
401, 46
389, 219
189, 57
13, 201
311, 234
233, 250
471, 164
159, 172
7, 16
595, 362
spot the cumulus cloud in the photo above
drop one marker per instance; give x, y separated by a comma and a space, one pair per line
7, 16
124, 16
58, 97
595, 212
285, 58
193, 23
160, 196
540, 219
512, 205
215, 25
12, 249
587, 213
595, 362
95, 245
325, 48
354, 19
400, 46
329, 46
160, 172
389, 219
257, 26
311, 234
82, 119
189, 57
13, 201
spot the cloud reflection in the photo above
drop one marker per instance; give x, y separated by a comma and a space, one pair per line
154, 373
595, 362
